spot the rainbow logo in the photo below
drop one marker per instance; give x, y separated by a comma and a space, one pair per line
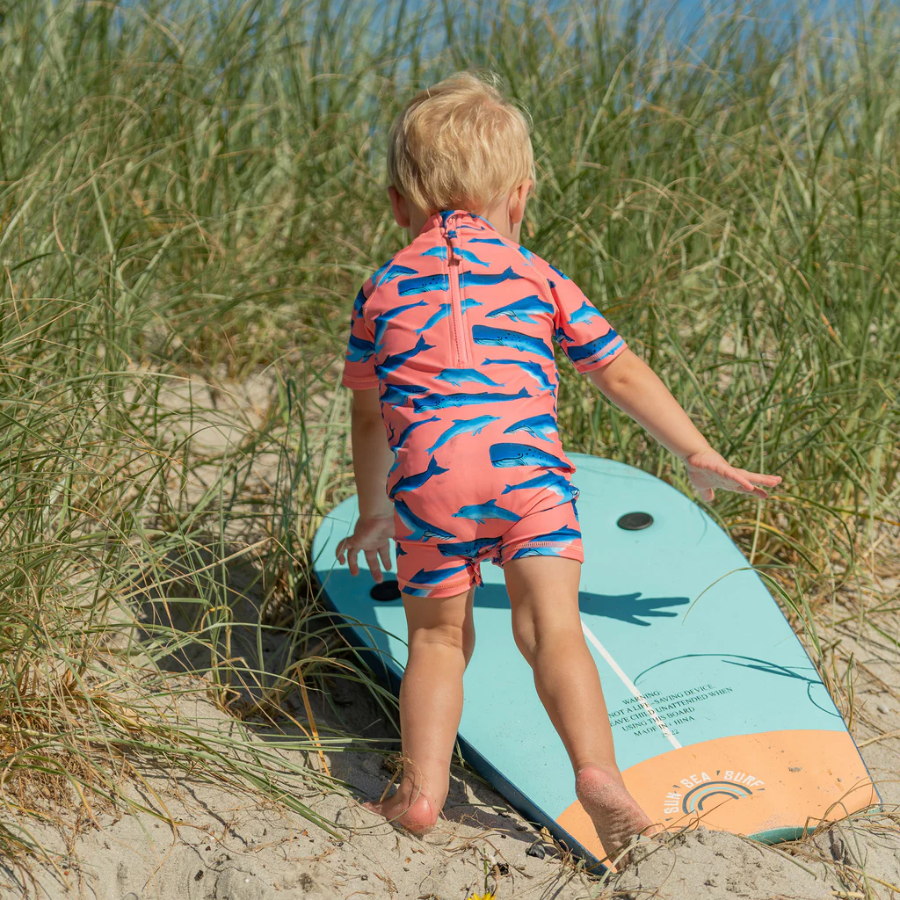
695, 798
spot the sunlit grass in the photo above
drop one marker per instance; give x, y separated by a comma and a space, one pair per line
190, 196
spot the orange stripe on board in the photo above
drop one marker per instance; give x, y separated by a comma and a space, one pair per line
747, 784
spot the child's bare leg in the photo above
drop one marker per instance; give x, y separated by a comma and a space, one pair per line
441, 641
543, 591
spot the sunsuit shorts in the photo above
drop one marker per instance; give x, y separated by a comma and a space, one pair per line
426, 569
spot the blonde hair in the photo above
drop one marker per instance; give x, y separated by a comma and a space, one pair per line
459, 145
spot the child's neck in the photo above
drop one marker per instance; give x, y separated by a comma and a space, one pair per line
498, 215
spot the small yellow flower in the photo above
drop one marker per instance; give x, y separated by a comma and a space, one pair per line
487, 896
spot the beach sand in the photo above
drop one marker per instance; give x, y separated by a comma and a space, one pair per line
231, 845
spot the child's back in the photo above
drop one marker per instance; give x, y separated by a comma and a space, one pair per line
457, 333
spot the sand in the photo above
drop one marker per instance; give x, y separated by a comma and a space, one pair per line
232, 845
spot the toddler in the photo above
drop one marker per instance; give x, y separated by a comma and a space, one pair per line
455, 445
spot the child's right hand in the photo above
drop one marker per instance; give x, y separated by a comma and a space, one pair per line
708, 469
372, 535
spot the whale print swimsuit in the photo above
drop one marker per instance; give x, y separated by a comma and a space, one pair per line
456, 331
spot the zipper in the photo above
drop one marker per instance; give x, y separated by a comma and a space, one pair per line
460, 344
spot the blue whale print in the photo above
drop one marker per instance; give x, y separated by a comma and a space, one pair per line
446, 401
421, 530
444, 311
399, 310
535, 369
535, 551
390, 273
523, 310
564, 535
411, 428
462, 426
411, 482
515, 340
423, 285
481, 512
542, 427
552, 481
398, 394
381, 270
472, 279
469, 256
470, 549
434, 576
457, 376
359, 349
381, 321
587, 312
396, 360
381, 325
507, 455
586, 351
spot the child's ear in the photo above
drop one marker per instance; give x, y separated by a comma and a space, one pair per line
517, 201
399, 207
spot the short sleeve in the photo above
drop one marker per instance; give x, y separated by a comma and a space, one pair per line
584, 334
359, 359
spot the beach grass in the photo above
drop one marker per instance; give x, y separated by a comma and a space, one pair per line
192, 194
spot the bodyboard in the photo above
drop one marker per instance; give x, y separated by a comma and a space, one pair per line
719, 715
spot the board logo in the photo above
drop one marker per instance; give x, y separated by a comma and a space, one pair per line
698, 793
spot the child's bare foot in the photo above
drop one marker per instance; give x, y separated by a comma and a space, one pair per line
411, 808
614, 812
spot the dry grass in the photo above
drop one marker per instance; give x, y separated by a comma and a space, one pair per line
190, 197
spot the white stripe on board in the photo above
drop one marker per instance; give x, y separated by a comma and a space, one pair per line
631, 686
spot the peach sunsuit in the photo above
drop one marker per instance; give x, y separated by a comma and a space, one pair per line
456, 331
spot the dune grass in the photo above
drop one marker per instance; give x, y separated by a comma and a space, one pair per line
190, 196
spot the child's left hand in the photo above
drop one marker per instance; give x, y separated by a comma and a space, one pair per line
372, 535
708, 470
